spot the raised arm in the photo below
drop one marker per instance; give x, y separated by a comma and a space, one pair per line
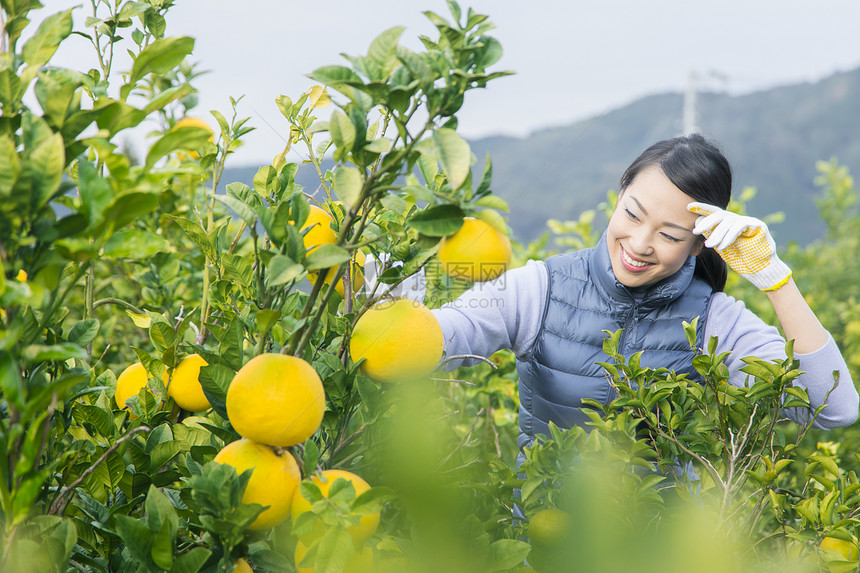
747, 247
504, 313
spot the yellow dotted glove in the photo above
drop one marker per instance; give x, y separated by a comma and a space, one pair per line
744, 243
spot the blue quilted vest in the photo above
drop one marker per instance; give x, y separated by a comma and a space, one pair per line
584, 299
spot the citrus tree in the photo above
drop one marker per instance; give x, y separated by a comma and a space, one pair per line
195, 377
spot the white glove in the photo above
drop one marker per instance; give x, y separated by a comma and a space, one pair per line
412, 287
744, 243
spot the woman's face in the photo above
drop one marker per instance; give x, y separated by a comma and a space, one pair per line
650, 234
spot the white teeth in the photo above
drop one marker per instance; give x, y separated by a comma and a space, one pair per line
631, 262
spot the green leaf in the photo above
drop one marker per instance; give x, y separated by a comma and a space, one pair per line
136, 536
196, 234
311, 457
334, 552
417, 65
192, 561
232, 342
159, 58
114, 115
284, 104
10, 89
167, 96
215, 380
56, 91
84, 332
95, 193
46, 162
282, 269
493, 202
41, 47
265, 180
136, 244
347, 185
188, 137
241, 209
43, 353
507, 553
326, 256
438, 221
10, 165
371, 501
334, 75
454, 154
10, 380
382, 55
342, 131
495, 220
161, 335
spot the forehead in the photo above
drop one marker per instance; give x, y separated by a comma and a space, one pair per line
659, 196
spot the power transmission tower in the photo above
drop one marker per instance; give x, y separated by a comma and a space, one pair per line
694, 82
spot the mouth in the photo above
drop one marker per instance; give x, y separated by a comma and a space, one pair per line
633, 264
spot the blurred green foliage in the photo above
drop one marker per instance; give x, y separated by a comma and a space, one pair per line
107, 260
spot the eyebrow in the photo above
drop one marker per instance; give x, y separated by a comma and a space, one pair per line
666, 223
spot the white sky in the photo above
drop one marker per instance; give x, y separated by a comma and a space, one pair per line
573, 59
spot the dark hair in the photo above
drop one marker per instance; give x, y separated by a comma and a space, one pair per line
696, 167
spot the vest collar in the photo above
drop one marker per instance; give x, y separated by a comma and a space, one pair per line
660, 293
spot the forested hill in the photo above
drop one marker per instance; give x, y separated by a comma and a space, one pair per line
773, 139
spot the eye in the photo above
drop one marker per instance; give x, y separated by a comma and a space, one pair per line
671, 238
630, 214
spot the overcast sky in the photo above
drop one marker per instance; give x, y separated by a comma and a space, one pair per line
573, 59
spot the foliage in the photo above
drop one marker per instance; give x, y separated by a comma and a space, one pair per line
107, 260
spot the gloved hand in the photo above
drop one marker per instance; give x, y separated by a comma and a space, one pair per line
744, 243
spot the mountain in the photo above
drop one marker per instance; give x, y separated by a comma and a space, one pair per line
773, 139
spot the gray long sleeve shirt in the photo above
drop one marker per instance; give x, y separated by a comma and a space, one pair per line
507, 313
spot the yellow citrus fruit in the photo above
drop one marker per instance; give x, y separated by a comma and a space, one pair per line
359, 532
193, 122
397, 339
185, 386
549, 527
129, 383
477, 252
361, 562
273, 482
276, 399
357, 278
846, 549
320, 231
241, 566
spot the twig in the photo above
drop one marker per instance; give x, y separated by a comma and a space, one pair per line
473, 356
62, 500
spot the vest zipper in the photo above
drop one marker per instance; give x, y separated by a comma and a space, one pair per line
627, 323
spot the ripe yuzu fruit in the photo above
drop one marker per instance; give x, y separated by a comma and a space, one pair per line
185, 387
361, 561
129, 383
241, 566
475, 253
846, 549
549, 527
360, 532
398, 339
273, 482
276, 399
319, 229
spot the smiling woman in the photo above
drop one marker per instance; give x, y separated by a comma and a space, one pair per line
650, 235
651, 271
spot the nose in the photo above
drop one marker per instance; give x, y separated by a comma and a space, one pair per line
640, 242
